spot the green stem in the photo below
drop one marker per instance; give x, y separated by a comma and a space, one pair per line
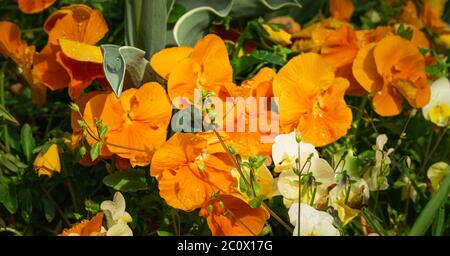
11, 230
70, 187
430, 154
2, 102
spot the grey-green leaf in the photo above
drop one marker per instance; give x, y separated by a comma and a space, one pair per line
193, 25
113, 67
125, 65
137, 67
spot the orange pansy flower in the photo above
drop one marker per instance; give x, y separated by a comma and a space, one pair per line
69, 59
12, 46
77, 131
410, 15
188, 174
137, 120
92, 227
339, 47
34, 6
391, 70
312, 100
245, 116
432, 11
342, 9
231, 216
205, 67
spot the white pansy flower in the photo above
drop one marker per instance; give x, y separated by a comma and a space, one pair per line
285, 151
376, 176
116, 216
119, 229
288, 183
438, 109
312, 222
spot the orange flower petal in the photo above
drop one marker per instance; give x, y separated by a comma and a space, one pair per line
74, 116
165, 61
309, 69
183, 79
48, 71
410, 15
81, 52
87, 227
81, 24
387, 102
34, 6
137, 120
207, 67
83, 68
365, 70
342, 9
312, 100
340, 46
235, 218
12, 45
332, 121
393, 51
182, 183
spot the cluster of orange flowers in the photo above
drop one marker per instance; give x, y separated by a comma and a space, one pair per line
378, 61
194, 170
69, 59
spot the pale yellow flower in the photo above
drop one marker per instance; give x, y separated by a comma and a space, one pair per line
437, 173
438, 109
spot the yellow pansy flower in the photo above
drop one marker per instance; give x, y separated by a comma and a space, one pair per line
47, 163
279, 37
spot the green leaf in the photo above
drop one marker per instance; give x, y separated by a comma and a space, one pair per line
11, 162
175, 14
164, 233
430, 211
256, 202
439, 222
8, 198
127, 181
26, 204
7, 116
27, 141
194, 24
95, 150
49, 209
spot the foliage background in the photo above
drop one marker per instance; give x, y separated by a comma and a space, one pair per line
32, 205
